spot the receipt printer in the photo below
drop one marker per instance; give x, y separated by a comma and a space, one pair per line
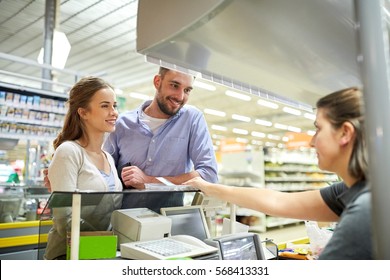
139, 224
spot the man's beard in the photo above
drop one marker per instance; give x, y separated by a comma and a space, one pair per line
165, 108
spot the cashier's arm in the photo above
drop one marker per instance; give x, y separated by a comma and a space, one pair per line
135, 177
306, 205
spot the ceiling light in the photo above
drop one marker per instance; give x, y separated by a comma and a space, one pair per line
256, 142
309, 116
238, 95
214, 112
292, 111
217, 136
280, 126
263, 122
268, 104
270, 144
242, 140
218, 127
311, 132
294, 129
285, 139
258, 134
200, 84
137, 95
241, 118
273, 137
60, 51
240, 131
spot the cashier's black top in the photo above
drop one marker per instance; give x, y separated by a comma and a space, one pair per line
351, 238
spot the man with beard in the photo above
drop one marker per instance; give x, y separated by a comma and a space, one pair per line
164, 137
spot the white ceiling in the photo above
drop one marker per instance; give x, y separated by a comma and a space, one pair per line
102, 35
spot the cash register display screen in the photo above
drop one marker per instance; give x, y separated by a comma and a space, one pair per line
243, 248
187, 221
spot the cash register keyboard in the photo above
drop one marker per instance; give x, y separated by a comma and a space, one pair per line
165, 247
179, 246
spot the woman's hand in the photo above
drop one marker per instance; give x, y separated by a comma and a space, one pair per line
198, 183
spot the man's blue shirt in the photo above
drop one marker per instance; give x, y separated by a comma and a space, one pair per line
180, 145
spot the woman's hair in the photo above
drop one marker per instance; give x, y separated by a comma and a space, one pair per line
80, 96
347, 106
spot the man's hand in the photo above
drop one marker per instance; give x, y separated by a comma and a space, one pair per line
134, 177
46, 181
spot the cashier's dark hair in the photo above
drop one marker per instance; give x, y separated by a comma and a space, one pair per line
347, 106
80, 96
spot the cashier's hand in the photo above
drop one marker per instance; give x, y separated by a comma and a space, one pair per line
198, 183
134, 177
46, 181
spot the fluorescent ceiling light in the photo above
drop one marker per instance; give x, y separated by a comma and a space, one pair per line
256, 142
242, 140
238, 95
292, 111
311, 132
263, 122
218, 127
268, 104
270, 144
258, 134
294, 129
214, 112
280, 126
203, 85
217, 136
309, 116
137, 95
241, 118
287, 127
240, 131
60, 52
273, 137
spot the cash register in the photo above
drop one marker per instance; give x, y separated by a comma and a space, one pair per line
145, 235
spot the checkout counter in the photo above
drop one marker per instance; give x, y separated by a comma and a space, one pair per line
20, 226
92, 239
96, 227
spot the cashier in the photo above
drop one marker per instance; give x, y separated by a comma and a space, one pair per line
340, 145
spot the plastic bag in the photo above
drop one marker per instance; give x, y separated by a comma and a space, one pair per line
318, 237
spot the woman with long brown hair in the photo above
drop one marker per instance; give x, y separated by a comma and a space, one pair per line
79, 162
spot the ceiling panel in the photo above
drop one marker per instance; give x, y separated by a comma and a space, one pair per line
102, 36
